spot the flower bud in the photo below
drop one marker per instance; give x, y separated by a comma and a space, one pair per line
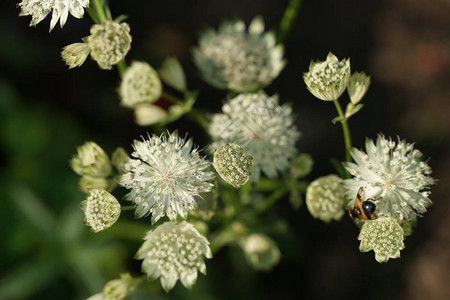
117, 289
101, 210
325, 198
140, 85
384, 236
118, 158
91, 160
357, 86
327, 80
260, 251
149, 114
232, 164
87, 183
109, 43
75, 54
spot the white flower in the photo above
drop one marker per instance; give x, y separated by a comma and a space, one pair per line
232, 164
39, 9
235, 59
174, 252
384, 236
165, 176
91, 161
327, 80
101, 210
140, 85
357, 86
325, 198
260, 251
264, 128
394, 176
109, 43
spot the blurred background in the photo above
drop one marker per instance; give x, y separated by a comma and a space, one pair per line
47, 110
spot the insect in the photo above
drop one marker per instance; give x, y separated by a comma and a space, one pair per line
363, 210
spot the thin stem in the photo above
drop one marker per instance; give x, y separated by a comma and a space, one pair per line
122, 67
290, 14
172, 98
345, 130
125, 208
100, 11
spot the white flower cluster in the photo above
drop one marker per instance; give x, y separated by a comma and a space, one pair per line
263, 127
384, 236
325, 198
101, 210
235, 59
394, 176
109, 43
165, 176
140, 85
39, 9
232, 164
327, 80
174, 252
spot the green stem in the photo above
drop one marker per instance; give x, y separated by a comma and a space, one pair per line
100, 11
172, 98
290, 14
269, 201
125, 208
122, 67
345, 130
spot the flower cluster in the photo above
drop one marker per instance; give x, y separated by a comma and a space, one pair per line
101, 210
235, 59
39, 9
174, 252
327, 80
394, 176
325, 198
232, 164
263, 127
109, 43
384, 236
140, 85
165, 176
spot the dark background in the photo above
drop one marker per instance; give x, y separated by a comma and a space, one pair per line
47, 110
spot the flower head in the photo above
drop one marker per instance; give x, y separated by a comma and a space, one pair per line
325, 198
232, 164
232, 58
91, 160
327, 80
174, 252
101, 210
140, 85
109, 43
263, 127
394, 176
39, 9
357, 86
165, 176
75, 54
384, 236
260, 251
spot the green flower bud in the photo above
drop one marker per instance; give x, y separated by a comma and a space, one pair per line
260, 251
91, 160
327, 80
75, 54
117, 289
118, 158
101, 210
206, 205
149, 114
384, 236
232, 164
87, 183
140, 85
109, 43
357, 86
172, 73
301, 165
325, 198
